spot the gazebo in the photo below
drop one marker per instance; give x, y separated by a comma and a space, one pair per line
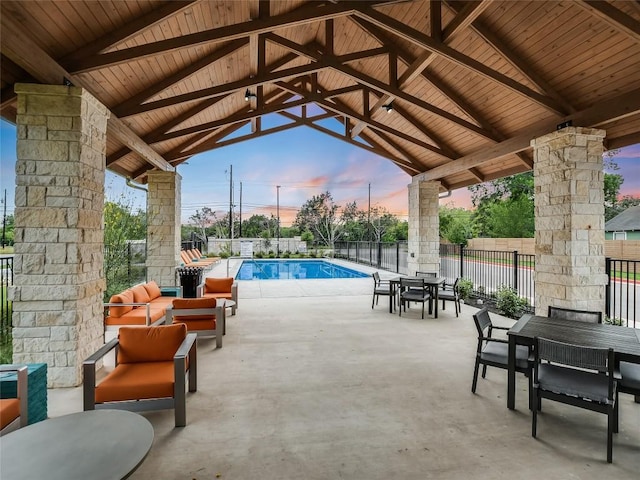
453, 93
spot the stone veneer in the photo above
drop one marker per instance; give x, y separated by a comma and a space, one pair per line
58, 262
163, 226
424, 227
569, 216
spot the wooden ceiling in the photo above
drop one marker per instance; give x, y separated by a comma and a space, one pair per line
470, 83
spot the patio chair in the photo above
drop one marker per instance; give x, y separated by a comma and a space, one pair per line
152, 366
200, 315
629, 381
450, 293
427, 274
494, 352
577, 315
575, 375
14, 412
413, 290
381, 287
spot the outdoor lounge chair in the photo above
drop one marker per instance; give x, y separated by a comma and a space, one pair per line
575, 375
14, 412
381, 287
152, 364
577, 315
494, 352
200, 315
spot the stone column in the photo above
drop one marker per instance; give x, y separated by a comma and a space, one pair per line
163, 226
424, 227
569, 216
58, 263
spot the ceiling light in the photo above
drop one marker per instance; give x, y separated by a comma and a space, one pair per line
388, 107
248, 95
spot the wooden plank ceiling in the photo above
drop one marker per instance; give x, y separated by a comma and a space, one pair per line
454, 91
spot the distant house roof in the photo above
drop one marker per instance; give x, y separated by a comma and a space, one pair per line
625, 221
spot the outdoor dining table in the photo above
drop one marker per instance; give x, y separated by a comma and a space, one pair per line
433, 283
623, 340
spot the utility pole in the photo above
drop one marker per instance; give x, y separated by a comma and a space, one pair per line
278, 215
369, 216
4, 217
231, 206
240, 222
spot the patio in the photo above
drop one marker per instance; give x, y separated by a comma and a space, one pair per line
312, 383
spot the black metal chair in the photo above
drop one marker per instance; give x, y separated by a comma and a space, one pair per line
494, 352
381, 287
629, 381
575, 375
427, 274
577, 315
413, 290
450, 293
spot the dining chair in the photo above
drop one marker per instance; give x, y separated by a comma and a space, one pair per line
575, 375
413, 290
577, 315
629, 381
450, 293
494, 352
427, 274
381, 287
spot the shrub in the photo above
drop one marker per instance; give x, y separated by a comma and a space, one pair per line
258, 254
615, 321
465, 287
509, 303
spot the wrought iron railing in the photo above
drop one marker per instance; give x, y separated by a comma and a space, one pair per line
6, 280
390, 256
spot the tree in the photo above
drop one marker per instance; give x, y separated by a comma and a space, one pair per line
512, 218
202, 219
320, 216
455, 224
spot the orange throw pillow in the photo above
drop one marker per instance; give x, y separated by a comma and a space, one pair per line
124, 297
153, 290
150, 344
140, 294
218, 285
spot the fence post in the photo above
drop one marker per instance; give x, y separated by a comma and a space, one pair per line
379, 254
357, 252
462, 260
397, 257
129, 262
607, 291
515, 271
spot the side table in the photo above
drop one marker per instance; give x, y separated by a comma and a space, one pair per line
36, 391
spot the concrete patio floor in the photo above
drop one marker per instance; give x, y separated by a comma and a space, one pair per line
311, 383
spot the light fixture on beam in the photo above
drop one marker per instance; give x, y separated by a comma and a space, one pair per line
388, 107
248, 95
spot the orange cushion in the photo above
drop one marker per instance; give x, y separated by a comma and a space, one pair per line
140, 294
132, 381
183, 303
153, 290
150, 344
226, 295
9, 411
218, 285
124, 297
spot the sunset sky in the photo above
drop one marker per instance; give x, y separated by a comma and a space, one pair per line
302, 161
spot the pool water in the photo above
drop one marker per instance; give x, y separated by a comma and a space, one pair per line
293, 269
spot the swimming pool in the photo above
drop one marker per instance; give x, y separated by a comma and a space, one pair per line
293, 269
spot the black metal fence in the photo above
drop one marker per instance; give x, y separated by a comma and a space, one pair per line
124, 266
622, 291
6, 280
390, 256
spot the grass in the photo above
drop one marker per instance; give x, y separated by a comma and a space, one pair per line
6, 250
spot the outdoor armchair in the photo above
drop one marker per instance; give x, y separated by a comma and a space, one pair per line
630, 379
494, 352
200, 315
577, 315
220, 288
14, 412
575, 375
151, 372
413, 290
381, 287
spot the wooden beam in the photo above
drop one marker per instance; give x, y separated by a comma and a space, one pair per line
616, 18
418, 38
465, 17
594, 116
302, 16
25, 52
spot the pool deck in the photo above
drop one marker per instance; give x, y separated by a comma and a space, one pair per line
312, 383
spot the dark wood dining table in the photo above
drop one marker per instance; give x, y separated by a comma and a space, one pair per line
624, 341
433, 283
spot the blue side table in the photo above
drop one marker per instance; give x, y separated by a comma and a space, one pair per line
37, 390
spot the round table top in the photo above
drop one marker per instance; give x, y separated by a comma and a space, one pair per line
97, 444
